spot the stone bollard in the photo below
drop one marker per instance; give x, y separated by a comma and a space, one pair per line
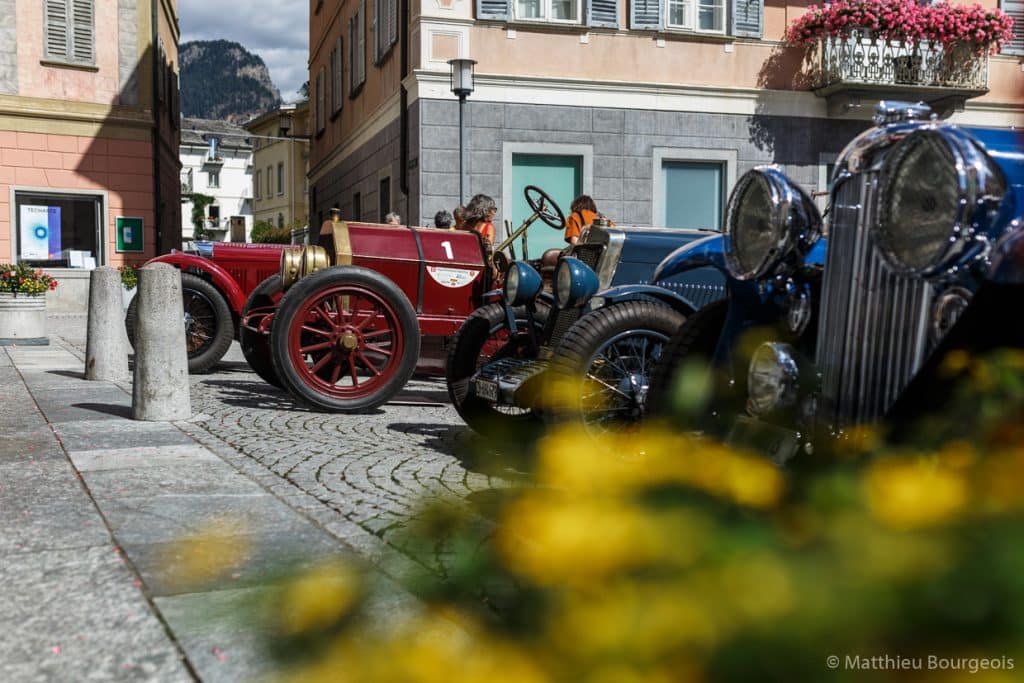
160, 389
106, 348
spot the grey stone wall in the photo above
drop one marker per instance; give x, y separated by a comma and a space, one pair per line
8, 48
360, 172
622, 141
128, 51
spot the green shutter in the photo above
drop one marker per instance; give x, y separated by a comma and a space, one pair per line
56, 31
746, 18
603, 13
645, 15
83, 39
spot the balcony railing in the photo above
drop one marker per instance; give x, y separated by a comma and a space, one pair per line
871, 66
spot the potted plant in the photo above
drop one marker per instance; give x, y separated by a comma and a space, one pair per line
23, 304
130, 282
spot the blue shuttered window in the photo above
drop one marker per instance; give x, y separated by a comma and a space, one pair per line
645, 15
747, 18
499, 10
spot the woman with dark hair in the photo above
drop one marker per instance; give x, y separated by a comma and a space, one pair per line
479, 214
582, 213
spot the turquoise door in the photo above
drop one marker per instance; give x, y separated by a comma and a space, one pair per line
693, 194
561, 176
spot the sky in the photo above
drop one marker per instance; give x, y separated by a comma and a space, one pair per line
276, 30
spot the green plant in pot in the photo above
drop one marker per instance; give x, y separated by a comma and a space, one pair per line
23, 304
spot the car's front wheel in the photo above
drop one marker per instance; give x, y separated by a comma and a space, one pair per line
601, 370
482, 338
209, 326
259, 313
344, 339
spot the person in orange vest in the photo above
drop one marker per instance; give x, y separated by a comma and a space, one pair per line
479, 216
582, 213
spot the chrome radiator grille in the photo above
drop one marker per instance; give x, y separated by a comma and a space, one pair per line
873, 329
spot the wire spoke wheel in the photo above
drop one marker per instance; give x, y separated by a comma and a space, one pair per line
200, 321
616, 381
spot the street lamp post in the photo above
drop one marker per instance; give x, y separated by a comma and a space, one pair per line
462, 87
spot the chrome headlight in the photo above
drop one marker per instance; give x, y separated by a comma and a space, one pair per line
934, 191
766, 218
773, 379
522, 282
291, 266
575, 282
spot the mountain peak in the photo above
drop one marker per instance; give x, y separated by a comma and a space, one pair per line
222, 80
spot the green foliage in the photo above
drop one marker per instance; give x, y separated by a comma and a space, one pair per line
268, 233
20, 278
199, 204
129, 276
216, 81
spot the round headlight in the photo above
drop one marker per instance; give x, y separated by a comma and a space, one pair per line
575, 282
522, 283
767, 216
926, 201
511, 284
773, 378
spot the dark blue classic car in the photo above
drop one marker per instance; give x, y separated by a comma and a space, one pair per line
538, 342
925, 256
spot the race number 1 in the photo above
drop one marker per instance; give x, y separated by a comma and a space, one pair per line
447, 246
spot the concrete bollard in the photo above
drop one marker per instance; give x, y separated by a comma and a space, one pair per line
160, 389
106, 347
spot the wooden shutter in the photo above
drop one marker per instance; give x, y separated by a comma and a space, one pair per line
83, 40
1015, 8
645, 15
392, 22
603, 13
337, 99
377, 28
351, 55
747, 18
361, 41
498, 10
56, 30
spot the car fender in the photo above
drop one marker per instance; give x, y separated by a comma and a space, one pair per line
707, 251
218, 277
623, 293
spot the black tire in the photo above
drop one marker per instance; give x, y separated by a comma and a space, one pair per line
212, 327
255, 346
317, 387
465, 357
599, 372
697, 338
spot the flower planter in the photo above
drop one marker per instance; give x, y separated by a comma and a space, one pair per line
23, 319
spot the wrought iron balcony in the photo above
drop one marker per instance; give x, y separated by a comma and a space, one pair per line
863, 67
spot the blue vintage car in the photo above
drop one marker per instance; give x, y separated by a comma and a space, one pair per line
606, 343
925, 256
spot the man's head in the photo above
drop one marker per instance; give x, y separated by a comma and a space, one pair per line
443, 219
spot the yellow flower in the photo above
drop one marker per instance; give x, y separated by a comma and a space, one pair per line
206, 555
914, 493
320, 597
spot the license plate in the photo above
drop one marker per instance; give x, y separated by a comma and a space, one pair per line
776, 442
486, 390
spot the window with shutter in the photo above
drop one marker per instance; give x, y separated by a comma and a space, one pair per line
603, 13
498, 10
645, 15
83, 41
392, 22
55, 34
1015, 8
321, 100
376, 28
352, 56
361, 41
336, 80
747, 18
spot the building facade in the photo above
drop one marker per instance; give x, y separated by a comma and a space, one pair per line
88, 136
216, 162
280, 164
653, 107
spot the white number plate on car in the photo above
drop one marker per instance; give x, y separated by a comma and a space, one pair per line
487, 390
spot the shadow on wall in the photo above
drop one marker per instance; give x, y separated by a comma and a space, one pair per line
127, 152
786, 69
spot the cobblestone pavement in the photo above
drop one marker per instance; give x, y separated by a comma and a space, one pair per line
362, 477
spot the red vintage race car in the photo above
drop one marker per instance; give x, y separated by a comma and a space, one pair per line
344, 323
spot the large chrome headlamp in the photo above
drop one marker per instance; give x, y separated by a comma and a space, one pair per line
773, 379
575, 282
935, 190
522, 282
767, 217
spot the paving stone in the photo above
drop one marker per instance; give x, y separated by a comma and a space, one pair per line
202, 477
43, 506
27, 444
75, 614
86, 436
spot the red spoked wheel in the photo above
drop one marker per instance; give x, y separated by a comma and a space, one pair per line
254, 328
344, 339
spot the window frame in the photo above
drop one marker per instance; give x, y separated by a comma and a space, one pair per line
102, 207
280, 178
337, 77
270, 181
546, 8
71, 31
693, 17
258, 184
213, 178
728, 158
